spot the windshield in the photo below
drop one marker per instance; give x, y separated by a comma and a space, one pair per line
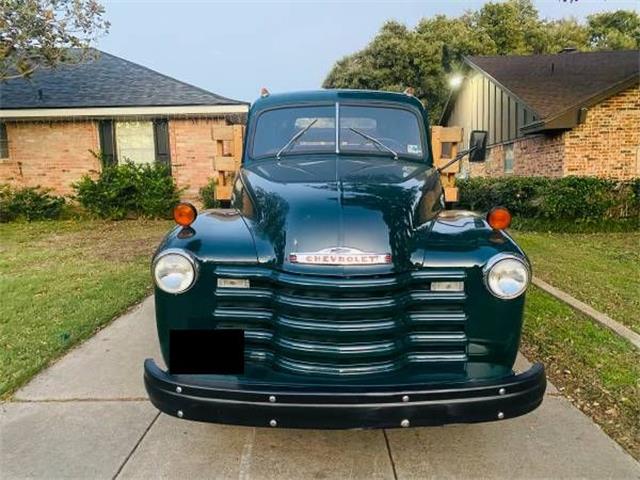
385, 131
276, 128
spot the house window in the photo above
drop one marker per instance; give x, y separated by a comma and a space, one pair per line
134, 141
508, 158
4, 141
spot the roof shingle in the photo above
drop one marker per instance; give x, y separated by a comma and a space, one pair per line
550, 84
104, 81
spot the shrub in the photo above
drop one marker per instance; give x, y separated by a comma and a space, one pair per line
521, 195
128, 191
29, 203
543, 201
208, 194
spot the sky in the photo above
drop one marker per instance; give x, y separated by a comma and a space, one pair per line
235, 48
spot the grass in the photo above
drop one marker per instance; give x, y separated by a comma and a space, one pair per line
595, 368
592, 366
600, 269
61, 282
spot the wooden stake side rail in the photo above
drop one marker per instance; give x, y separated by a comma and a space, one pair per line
444, 144
228, 139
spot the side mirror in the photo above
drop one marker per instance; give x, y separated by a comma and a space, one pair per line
478, 142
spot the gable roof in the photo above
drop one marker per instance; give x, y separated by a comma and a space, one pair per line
551, 83
103, 81
555, 87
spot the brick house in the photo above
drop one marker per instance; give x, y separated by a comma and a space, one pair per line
553, 115
53, 125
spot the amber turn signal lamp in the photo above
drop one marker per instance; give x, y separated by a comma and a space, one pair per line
184, 214
499, 218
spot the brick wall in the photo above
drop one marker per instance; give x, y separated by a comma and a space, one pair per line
11, 172
608, 143
540, 155
49, 154
192, 153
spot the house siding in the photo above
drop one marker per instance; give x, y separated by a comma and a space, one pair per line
607, 144
482, 104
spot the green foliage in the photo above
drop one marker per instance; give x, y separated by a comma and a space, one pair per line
208, 194
569, 203
618, 30
30, 203
47, 33
513, 27
566, 33
128, 191
425, 56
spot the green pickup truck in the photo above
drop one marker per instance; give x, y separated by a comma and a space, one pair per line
338, 291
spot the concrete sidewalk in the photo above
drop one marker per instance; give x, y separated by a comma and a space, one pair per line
87, 417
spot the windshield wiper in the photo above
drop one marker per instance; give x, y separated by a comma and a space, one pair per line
376, 141
295, 137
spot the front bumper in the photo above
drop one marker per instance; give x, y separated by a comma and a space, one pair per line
323, 408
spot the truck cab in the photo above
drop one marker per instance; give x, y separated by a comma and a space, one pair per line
337, 291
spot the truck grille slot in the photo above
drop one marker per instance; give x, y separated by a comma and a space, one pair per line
344, 326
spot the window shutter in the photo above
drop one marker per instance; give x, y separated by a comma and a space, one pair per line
107, 142
161, 136
4, 141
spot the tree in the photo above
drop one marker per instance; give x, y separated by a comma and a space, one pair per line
614, 30
46, 33
425, 56
512, 26
397, 57
566, 33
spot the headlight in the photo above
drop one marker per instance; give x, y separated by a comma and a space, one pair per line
174, 271
507, 276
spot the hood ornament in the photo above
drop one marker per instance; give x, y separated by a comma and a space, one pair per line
340, 256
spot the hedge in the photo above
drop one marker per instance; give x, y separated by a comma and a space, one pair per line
128, 191
582, 201
29, 203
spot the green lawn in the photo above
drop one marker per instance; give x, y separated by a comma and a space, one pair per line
595, 368
600, 269
61, 281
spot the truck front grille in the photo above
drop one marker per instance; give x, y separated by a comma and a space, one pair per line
344, 326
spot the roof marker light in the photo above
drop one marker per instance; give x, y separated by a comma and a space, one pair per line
499, 218
184, 214
264, 92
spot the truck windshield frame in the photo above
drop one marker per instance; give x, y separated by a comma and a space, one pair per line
338, 137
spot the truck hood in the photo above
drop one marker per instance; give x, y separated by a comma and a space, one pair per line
310, 204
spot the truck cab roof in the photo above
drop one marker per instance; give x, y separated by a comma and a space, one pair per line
333, 96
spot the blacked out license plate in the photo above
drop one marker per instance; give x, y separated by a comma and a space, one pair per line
218, 352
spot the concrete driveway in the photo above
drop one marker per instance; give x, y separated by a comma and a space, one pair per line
88, 417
